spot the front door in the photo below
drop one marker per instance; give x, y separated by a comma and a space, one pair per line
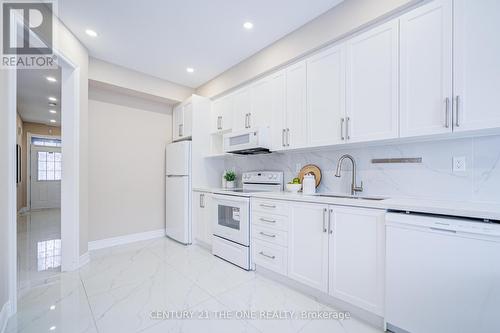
45, 177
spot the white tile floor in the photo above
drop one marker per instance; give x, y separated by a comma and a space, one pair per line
120, 287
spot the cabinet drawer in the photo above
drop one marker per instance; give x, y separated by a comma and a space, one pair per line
270, 221
273, 257
271, 206
270, 235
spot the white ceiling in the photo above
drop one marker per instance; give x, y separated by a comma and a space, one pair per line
163, 37
33, 92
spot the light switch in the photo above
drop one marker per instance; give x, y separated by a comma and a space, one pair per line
459, 164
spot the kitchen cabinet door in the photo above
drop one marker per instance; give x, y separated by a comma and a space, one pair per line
276, 111
202, 229
476, 64
222, 114
208, 218
372, 84
357, 257
177, 121
426, 69
187, 124
261, 95
308, 245
294, 132
241, 109
326, 97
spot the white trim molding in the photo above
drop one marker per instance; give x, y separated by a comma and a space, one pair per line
84, 259
120, 240
4, 316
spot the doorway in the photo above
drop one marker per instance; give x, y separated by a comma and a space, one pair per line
38, 97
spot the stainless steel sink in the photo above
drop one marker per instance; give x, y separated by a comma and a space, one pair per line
350, 197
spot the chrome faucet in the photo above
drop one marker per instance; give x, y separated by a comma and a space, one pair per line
354, 188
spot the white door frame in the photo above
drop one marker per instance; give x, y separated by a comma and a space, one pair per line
70, 184
28, 162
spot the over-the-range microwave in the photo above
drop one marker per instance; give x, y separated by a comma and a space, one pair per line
248, 141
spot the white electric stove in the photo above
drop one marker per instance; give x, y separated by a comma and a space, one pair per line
231, 211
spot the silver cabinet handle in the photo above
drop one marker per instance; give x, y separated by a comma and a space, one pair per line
266, 220
347, 128
202, 200
266, 255
267, 235
288, 137
283, 137
342, 137
447, 113
330, 223
324, 219
180, 129
249, 120
219, 122
246, 120
457, 110
267, 206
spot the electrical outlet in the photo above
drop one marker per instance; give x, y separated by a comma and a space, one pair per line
459, 164
298, 166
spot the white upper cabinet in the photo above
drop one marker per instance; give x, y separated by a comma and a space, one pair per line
182, 121
241, 109
372, 84
294, 131
426, 69
222, 114
308, 245
262, 103
476, 64
276, 114
326, 96
357, 256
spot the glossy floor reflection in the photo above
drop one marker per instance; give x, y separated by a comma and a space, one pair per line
38, 247
127, 288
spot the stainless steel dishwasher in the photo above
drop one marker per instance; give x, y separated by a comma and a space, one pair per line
442, 274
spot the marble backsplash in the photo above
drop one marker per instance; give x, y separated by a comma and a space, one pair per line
432, 179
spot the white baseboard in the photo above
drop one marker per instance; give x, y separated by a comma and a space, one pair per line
114, 241
84, 259
4, 316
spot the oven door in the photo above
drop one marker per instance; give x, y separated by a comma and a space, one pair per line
232, 218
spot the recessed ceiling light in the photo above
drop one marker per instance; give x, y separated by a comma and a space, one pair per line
91, 33
52, 328
248, 25
53, 111
52, 99
52, 121
51, 79
52, 307
190, 70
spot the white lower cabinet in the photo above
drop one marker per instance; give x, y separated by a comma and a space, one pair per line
201, 218
338, 250
308, 245
357, 256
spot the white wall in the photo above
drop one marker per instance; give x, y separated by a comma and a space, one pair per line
5, 177
115, 75
347, 17
126, 164
76, 53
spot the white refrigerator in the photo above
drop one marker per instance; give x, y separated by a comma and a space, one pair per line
178, 192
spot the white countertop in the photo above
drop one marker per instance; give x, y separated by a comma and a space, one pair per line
479, 210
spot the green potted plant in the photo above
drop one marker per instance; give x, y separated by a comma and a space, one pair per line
230, 177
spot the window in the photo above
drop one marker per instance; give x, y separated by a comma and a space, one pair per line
45, 142
49, 165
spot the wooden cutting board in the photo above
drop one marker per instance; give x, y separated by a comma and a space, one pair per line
311, 168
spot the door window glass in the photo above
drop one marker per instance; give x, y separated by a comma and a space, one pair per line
49, 165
